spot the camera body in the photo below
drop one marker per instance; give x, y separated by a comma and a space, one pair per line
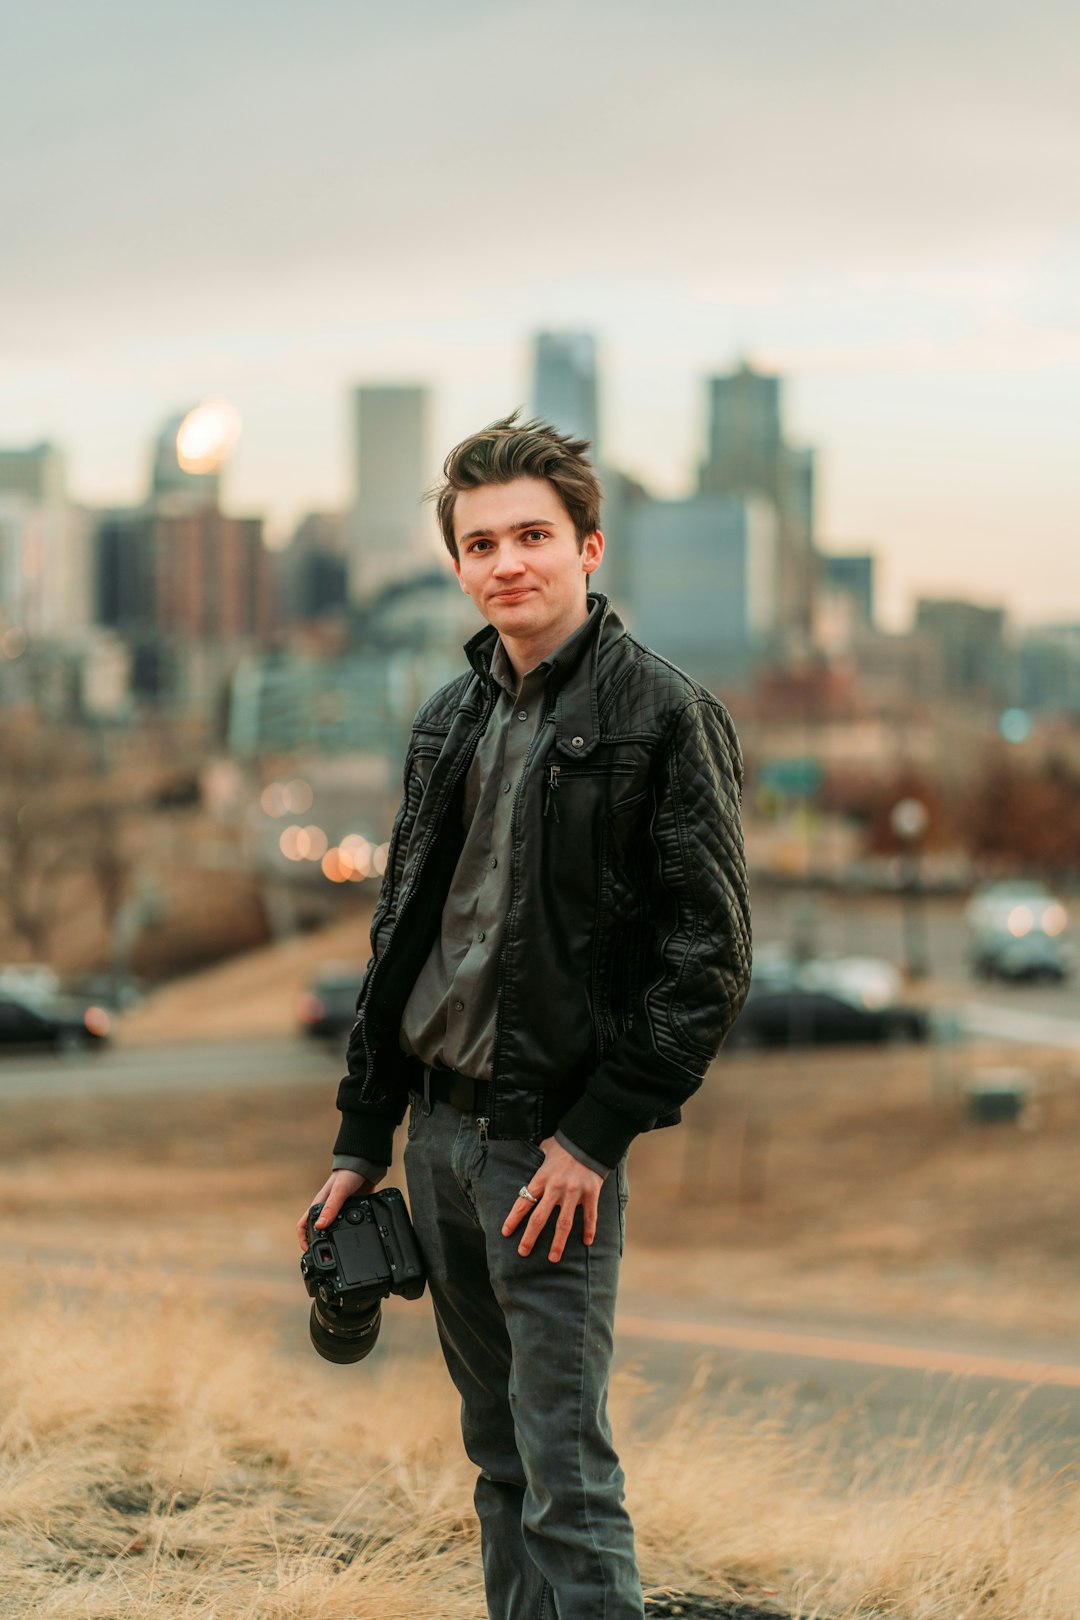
368, 1252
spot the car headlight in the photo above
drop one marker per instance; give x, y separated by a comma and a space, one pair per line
1054, 919
96, 1020
1021, 921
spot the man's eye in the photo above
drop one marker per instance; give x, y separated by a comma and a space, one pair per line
536, 534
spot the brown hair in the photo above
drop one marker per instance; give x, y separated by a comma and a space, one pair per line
510, 449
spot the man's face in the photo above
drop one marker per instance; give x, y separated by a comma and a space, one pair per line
518, 559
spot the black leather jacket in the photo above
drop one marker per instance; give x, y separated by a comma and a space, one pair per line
626, 956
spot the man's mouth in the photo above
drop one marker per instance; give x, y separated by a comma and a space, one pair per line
512, 596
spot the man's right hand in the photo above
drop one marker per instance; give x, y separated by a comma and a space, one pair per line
341, 1185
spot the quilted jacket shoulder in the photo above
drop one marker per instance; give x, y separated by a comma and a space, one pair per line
647, 693
438, 711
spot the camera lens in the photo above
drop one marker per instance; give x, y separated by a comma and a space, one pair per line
342, 1338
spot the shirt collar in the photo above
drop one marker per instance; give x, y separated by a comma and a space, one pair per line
502, 670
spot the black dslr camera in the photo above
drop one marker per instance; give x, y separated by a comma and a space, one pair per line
368, 1252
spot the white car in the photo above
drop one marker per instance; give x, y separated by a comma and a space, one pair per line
1019, 930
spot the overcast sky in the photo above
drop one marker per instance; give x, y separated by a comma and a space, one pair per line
274, 201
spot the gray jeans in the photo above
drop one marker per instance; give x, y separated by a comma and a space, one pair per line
528, 1344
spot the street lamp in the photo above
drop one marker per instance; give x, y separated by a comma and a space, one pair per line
909, 819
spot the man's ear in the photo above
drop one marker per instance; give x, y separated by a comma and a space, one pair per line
461, 582
592, 552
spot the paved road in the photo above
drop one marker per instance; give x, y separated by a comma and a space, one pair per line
195, 1066
874, 1382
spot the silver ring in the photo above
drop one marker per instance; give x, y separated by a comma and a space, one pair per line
523, 1192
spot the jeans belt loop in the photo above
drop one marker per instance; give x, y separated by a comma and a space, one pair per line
427, 1088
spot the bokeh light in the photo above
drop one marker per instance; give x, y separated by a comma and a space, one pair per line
207, 436
272, 799
297, 796
334, 868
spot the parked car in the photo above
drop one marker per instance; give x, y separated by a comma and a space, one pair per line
327, 1008
823, 1001
1018, 930
30, 1019
33, 978
117, 992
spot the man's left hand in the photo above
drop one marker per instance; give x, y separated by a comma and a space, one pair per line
562, 1182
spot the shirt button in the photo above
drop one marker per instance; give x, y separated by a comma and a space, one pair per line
481, 936
459, 1006
523, 714
506, 787
494, 862
577, 742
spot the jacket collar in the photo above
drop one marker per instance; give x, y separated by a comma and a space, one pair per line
573, 676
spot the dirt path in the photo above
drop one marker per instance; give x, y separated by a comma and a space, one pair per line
253, 994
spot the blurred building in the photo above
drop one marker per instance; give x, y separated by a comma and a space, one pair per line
391, 530
698, 581
748, 458
972, 657
173, 487
843, 602
183, 588
1048, 669
125, 555
564, 389
314, 574
214, 578
850, 575
896, 670
45, 572
408, 643
622, 495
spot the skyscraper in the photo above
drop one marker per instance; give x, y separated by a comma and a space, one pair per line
564, 384
748, 457
391, 530
745, 438
971, 639
45, 583
700, 581
173, 488
184, 586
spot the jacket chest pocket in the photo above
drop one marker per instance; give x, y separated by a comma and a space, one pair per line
588, 789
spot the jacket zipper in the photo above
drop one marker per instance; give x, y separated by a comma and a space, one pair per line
422, 855
552, 784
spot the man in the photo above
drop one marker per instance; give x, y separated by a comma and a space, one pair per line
560, 944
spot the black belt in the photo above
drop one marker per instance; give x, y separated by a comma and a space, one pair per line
521, 1113
461, 1091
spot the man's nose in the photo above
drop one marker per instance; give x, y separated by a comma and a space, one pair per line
509, 561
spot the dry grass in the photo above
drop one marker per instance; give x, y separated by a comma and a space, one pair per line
165, 1454
161, 1458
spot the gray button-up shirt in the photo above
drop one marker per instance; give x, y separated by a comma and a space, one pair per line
449, 1018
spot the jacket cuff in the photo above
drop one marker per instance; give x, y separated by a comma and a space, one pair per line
584, 1158
594, 1129
365, 1136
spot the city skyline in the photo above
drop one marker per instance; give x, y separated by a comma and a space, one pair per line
878, 207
